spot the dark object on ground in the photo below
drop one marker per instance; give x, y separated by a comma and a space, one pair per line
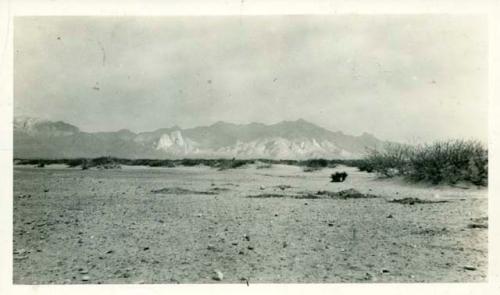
477, 225
265, 196
182, 191
338, 177
342, 195
413, 201
431, 231
219, 189
283, 186
346, 194
308, 196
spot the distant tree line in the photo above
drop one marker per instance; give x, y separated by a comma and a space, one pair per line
214, 163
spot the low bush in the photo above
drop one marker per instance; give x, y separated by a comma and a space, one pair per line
232, 164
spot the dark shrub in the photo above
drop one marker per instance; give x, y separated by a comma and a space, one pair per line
338, 177
315, 163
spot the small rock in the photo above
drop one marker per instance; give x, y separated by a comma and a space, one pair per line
83, 271
20, 257
211, 247
218, 275
85, 278
467, 267
285, 244
477, 225
110, 252
390, 216
241, 253
385, 270
247, 237
250, 248
20, 251
145, 248
305, 204
234, 243
46, 190
245, 280
330, 224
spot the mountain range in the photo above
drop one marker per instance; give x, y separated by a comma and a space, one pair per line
37, 138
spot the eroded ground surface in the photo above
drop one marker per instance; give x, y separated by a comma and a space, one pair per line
181, 225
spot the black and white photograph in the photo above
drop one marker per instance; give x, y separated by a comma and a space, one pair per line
250, 149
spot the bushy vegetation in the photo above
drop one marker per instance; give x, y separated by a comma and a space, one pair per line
111, 162
220, 164
232, 164
447, 162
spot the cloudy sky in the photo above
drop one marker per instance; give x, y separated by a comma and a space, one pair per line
405, 78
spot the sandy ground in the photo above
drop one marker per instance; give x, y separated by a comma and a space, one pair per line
107, 226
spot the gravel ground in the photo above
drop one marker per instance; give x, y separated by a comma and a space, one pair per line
198, 225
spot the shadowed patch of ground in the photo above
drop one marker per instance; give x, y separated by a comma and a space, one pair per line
342, 195
182, 191
413, 201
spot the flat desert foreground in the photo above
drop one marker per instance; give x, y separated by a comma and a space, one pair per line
246, 225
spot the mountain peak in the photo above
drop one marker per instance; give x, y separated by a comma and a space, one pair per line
38, 126
125, 131
300, 120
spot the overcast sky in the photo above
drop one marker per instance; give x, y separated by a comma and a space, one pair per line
404, 78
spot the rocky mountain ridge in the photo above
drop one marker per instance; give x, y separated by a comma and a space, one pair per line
36, 138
